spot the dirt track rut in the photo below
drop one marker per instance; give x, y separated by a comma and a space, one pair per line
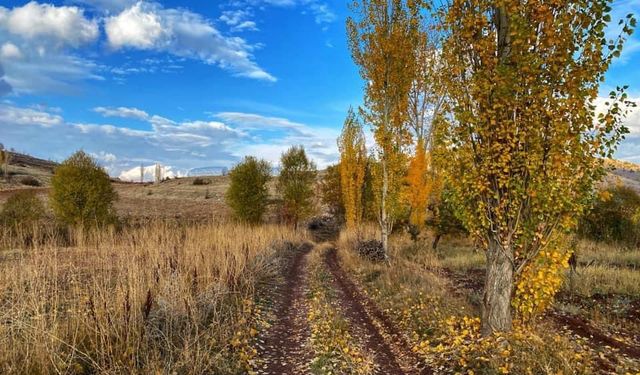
391, 351
286, 348
285, 345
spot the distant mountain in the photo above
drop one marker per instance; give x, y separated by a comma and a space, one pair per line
208, 171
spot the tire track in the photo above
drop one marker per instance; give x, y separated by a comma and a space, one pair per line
363, 316
285, 349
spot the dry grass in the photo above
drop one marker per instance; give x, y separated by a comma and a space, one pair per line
602, 279
162, 298
441, 320
591, 252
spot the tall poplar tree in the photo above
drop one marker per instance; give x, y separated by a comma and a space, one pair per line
525, 146
383, 40
353, 163
426, 100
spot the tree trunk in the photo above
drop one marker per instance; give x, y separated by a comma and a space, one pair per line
496, 307
384, 218
436, 240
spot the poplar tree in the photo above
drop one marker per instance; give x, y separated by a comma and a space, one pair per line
525, 146
426, 100
353, 163
383, 40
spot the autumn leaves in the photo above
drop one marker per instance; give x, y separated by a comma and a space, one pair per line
495, 99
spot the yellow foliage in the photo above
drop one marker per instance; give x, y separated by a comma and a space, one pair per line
353, 160
539, 282
419, 185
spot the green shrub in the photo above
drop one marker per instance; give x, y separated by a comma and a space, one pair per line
21, 210
30, 181
248, 194
615, 217
201, 181
81, 192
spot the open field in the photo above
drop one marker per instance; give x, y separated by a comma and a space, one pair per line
186, 291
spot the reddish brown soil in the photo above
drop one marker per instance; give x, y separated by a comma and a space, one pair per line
284, 346
359, 311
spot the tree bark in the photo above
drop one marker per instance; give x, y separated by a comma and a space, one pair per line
496, 307
384, 218
436, 240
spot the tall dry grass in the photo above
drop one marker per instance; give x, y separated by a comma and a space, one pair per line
162, 298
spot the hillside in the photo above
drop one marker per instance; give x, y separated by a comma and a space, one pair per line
23, 166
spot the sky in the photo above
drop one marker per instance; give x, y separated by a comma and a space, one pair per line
192, 84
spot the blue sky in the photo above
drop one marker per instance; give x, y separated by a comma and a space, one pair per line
192, 83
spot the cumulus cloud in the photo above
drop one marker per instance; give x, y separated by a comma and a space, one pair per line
149, 26
64, 25
122, 112
37, 40
26, 116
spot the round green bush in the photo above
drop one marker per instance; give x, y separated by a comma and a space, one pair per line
81, 192
22, 209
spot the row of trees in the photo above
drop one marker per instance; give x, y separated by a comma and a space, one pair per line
490, 104
248, 192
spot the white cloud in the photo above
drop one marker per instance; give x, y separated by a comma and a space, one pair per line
64, 25
37, 39
28, 116
321, 12
40, 71
182, 144
319, 142
182, 33
632, 120
106, 157
238, 20
123, 112
259, 122
134, 27
10, 51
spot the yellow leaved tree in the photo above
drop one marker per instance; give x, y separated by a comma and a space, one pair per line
353, 163
426, 99
524, 144
383, 39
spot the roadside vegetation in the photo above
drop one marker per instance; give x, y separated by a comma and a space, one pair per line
475, 236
